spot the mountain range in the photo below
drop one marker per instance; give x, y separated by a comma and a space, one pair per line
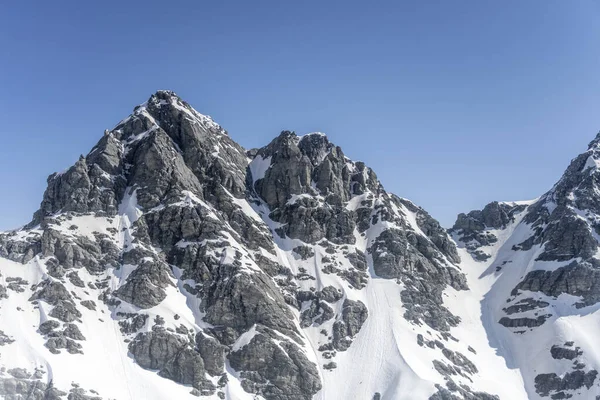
172, 263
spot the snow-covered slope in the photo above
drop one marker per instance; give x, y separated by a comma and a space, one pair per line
538, 262
171, 263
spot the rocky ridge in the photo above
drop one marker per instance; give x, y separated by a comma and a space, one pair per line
545, 268
177, 254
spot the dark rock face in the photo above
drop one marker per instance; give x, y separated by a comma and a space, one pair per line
78, 190
567, 238
523, 322
354, 315
5, 339
559, 353
55, 344
545, 384
473, 228
523, 305
245, 300
330, 294
132, 323
425, 275
80, 252
550, 384
460, 361
564, 221
212, 353
317, 314
19, 250
173, 356
432, 229
145, 285
578, 279
304, 252
275, 372
52, 292
154, 349
494, 215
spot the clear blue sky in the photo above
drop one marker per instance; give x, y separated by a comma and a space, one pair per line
452, 103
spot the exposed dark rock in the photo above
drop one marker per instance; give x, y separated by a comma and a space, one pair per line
52, 292
473, 228
212, 352
545, 384
358, 260
460, 361
132, 323
245, 300
567, 238
55, 344
276, 372
577, 279
172, 356
412, 258
523, 321
72, 331
330, 365
354, 315
317, 313
145, 285
75, 279
77, 393
304, 252
65, 311
462, 393
331, 294
19, 373
48, 326
5, 339
89, 304
560, 353
527, 304
16, 284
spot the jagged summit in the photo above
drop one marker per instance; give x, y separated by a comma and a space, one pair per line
595, 142
165, 93
164, 105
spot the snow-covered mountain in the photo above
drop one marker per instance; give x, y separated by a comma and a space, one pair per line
539, 262
171, 263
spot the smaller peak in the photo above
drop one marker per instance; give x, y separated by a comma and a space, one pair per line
314, 139
164, 94
313, 134
287, 134
595, 143
165, 97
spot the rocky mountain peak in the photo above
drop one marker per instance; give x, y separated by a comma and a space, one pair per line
594, 143
565, 219
230, 271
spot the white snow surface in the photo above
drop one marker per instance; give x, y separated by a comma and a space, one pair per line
259, 166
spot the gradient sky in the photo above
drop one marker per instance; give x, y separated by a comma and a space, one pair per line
452, 103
